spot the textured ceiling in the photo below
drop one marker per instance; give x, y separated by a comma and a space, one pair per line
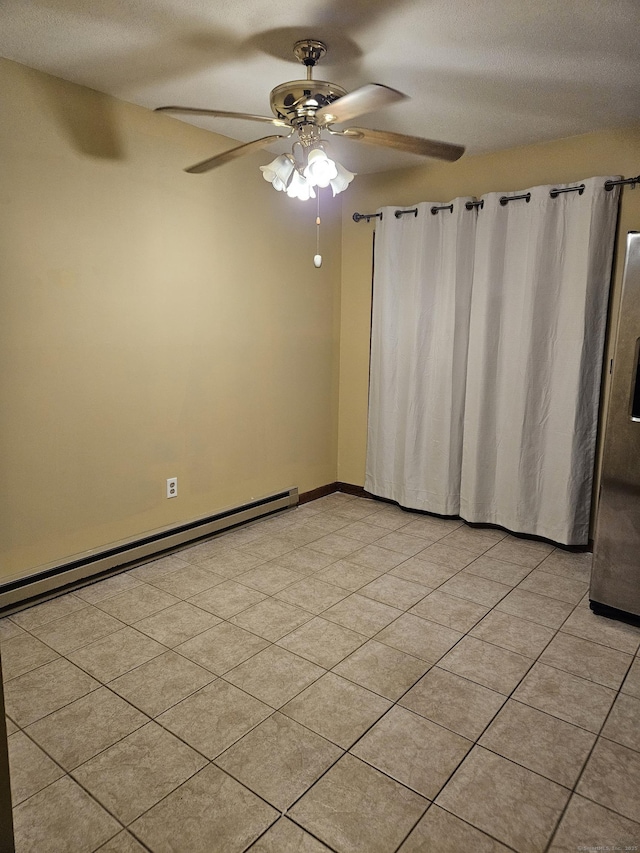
488, 75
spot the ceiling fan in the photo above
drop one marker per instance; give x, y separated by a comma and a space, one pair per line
306, 108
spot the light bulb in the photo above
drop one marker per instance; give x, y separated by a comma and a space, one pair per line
299, 187
320, 169
317, 260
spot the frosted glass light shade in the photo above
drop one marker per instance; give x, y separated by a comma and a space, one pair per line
342, 180
279, 171
320, 169
299, 187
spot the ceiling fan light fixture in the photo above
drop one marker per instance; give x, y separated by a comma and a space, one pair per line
289, 173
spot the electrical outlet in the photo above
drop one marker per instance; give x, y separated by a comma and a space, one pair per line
172, 487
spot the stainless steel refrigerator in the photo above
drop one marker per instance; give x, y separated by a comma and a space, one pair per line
615, 577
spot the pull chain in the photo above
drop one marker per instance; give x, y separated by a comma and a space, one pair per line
317, 258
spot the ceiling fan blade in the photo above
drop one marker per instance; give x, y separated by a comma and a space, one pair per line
232, 153
366, 99
221, 114
402, 142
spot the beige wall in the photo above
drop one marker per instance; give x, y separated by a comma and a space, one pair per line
152, 324
561, 161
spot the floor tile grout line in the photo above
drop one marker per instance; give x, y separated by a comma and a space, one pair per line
373, 637
365, 641
127, 671
210, 763
516, 586
394, 704
572, 790
69, 775
344, 749
563, 630
283, 812
475, 743
68, 615
602, 806
51, 758
282, 816
324, 773
431, 802
108, 686
325, 672
599, 735
264, 592
93, 640
216, 676
250, 657
100, 751
437, 661
66, 704
282, 638
422, 816
30, 631
537, 659
558, 668
404, 784
159, 610
617, 742
473, 826
6, 681
493, 751
553, 716
430, 666
141, 843
182, 739
510, 695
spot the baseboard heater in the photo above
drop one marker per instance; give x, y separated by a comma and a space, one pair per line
48, 581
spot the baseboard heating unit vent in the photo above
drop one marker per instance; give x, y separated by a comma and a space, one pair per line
48, 581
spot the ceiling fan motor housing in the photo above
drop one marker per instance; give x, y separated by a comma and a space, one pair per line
298, 101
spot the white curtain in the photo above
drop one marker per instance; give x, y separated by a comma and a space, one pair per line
486, 358
536, 339
420, 325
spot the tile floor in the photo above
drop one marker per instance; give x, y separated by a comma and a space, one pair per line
344, 676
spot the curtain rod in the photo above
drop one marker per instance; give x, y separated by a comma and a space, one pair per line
368, 216
505, 199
